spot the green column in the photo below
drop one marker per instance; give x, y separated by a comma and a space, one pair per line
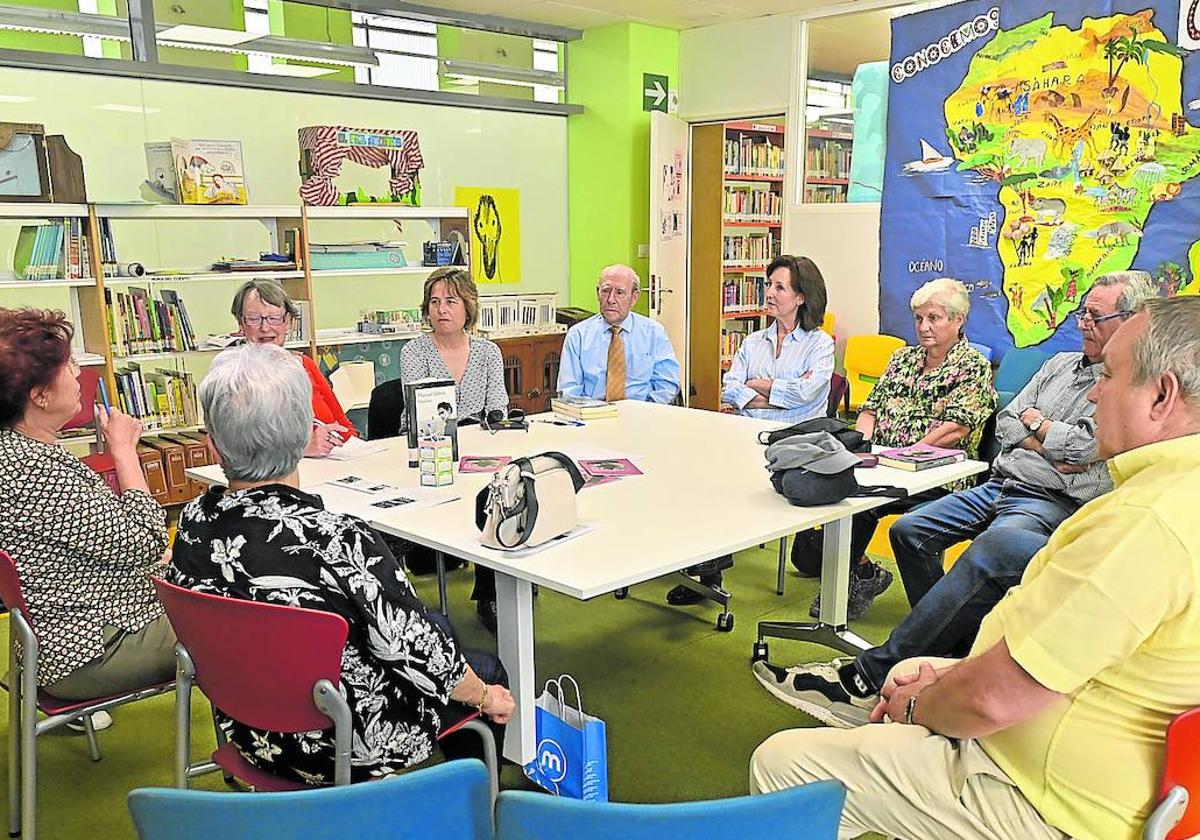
609, 147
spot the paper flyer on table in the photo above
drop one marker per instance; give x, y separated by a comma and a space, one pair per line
579, 530
369, 506
355, 448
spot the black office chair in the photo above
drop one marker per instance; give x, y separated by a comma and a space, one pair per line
386, 410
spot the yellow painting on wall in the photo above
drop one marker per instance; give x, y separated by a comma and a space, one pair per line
495, 232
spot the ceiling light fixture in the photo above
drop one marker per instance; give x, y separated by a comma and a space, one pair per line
209, 35
472, 72
299, 71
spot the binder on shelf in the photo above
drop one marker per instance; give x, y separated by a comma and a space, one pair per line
152, 468
195, 454
174, 468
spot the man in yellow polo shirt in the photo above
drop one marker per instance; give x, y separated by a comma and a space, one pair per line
1054, 726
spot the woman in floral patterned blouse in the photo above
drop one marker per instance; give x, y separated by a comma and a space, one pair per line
264, 539
937, 392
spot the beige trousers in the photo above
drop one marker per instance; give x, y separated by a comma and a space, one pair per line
903, 781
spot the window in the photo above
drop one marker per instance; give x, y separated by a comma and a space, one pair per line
545, 57
407, 51
258, 21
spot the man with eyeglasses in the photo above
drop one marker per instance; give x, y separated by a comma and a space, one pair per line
618, 354
1047, 469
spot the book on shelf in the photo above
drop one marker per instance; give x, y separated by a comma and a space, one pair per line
920, 456
89, 385
753, 204
161, 399
137, 323
430, 411
827, 159
52, 251
301, 325
583, 408
744, 155
747, 292
750, 248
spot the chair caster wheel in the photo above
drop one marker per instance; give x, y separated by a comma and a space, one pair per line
760, 653
725, 622
622, 593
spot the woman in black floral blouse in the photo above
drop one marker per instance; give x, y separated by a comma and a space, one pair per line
265, 539
939, 392
83, 552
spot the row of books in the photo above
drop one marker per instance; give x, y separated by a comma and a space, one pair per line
824, 195
744, 156
731, 340
139, 323
747, 292
828, 159
52, 251
759, 204
161, 399
752, 248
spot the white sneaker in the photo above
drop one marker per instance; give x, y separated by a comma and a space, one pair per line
101, 720
816, 690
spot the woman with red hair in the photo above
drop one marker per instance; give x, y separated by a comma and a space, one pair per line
83, 552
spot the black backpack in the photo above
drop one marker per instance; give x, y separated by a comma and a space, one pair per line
850, 438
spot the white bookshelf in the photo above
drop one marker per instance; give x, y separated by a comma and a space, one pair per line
374, 272
209, 277
166, 212
48, 284
41, 210
386, 211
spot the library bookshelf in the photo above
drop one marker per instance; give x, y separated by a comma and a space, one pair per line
88, 299
827, 165
737, 219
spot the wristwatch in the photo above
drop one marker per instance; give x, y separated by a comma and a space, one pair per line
1036, 424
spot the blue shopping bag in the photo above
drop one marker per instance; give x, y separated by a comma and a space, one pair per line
572, 747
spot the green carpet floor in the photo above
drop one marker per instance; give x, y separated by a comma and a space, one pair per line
684, 712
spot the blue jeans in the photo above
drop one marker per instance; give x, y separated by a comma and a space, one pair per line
1008, 522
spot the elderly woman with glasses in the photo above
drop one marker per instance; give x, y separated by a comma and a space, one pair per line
936, 392
264, 539
265, 314
450, 306
82, 550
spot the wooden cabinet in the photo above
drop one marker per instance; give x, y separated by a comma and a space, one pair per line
531, 370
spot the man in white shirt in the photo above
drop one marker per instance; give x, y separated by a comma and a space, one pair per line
618, 354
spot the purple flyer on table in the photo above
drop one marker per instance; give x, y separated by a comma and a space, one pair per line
605, 467
482, 463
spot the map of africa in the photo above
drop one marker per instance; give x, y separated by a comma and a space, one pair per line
1060, 146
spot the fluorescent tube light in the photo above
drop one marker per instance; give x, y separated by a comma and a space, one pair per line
469, 72
210, 35
53, 22
300, 71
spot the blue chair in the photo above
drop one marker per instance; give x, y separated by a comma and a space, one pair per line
808, 812
983, 349
450, 801
1016, 369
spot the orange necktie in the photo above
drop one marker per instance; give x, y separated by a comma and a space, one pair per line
615, 387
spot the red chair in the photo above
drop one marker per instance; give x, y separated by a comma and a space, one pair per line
285, 681
25, 700
1173, 819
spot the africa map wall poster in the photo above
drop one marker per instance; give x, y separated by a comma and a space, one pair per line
1031, 151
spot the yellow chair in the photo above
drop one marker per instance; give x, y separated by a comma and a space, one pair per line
881, 546
827, 324
866, 359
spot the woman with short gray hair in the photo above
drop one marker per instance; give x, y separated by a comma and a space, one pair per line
937, 392
264, 539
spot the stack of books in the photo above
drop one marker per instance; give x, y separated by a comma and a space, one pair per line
920, 456
583, 408
137, 323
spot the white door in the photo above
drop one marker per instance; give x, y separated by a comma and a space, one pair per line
669, 233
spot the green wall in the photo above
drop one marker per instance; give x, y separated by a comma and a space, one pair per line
609, 149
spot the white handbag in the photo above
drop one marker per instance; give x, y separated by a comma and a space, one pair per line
528, 502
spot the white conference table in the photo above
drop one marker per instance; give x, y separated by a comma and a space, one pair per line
705, 493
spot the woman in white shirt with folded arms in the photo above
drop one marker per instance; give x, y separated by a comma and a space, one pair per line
782, 372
